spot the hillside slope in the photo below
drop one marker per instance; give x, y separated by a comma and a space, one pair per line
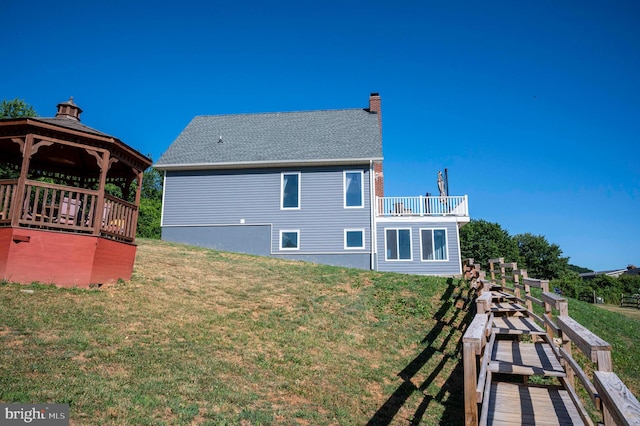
205, 337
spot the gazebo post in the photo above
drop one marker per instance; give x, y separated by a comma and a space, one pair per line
104, 169
22, 180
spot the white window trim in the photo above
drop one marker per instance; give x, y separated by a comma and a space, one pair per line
446, 244
344, 189
282, 231
397, 241
282, 207
354, 230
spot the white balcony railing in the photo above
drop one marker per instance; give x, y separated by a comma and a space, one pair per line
422, 206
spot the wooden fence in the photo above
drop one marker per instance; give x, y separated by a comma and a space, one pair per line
630, 300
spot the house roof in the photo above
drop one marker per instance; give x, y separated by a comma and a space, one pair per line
632, 270
272, 139
611, 273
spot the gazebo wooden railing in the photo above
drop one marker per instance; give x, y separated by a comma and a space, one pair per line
7, 193
66, 209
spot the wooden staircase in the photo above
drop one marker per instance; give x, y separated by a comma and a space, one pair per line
508, 344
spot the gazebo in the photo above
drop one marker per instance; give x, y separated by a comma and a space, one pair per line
69, 198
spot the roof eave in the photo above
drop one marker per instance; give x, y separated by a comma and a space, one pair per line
265, 164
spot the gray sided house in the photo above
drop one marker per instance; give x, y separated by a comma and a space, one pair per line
306, 186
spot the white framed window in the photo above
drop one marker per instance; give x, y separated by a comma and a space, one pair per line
353, 188
290, 239
433, 244
353, 239
397, 244
290, 190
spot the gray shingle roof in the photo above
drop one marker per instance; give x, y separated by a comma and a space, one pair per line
327, 136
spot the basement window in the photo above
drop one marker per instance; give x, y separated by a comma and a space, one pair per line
289, 240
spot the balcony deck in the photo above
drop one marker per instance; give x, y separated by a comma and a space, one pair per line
422, 206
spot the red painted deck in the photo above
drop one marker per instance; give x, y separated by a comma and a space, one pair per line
64, 259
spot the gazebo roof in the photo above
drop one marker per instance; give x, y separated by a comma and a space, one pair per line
66, 126
70, 124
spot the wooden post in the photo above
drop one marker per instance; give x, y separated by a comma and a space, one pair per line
491, 269
483, 303
104, 164
22, 180
563, 308
472, 343
470, 383
605, 364
544, 285
527, 292
548, 313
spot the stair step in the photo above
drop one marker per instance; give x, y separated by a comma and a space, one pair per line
526, 359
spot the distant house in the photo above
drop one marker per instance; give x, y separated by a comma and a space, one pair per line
303, 185
615, 273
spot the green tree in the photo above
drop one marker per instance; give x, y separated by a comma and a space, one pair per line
578, 269
630, 284
152, 184
16, 108
541, 259
482, 240
149, 213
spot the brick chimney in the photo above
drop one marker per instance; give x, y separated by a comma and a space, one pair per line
69, 110
375, 107
379, 179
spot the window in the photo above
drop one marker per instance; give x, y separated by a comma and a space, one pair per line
289, 240
354, 238
434, 244
290, 190
353, 189
398, 244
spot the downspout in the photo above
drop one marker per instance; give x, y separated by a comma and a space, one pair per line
373, 203
459, 248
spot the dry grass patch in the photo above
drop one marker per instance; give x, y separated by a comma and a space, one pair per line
205, 337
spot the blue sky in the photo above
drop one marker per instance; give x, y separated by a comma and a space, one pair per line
532, 106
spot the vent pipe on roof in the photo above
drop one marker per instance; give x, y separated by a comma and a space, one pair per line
69, 110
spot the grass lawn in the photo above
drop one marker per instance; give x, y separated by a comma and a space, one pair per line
205, 337
633, 313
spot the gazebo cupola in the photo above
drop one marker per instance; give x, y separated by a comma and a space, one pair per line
69, 110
